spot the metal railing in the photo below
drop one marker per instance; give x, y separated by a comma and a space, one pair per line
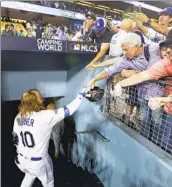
133, 110
94, 132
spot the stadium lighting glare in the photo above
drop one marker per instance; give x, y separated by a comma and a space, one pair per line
100, 8
118, 10
78, 3
85, 2
105, 7
144, 5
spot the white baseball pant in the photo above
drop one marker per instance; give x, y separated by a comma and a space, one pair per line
42, 169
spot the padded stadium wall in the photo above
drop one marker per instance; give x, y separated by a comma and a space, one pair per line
22, 70
50, 83
122, 162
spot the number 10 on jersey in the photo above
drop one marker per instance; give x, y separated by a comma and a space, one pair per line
27, 139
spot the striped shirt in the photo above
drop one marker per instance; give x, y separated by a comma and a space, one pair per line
147, 89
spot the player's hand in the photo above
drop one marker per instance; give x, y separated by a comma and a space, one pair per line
84, 91
117, 90
142, 17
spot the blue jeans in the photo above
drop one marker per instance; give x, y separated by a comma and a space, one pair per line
167, 132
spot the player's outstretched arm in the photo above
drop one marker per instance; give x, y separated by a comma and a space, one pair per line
74, 105
66, 111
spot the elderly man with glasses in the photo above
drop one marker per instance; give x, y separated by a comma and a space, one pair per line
135, 58
163, 68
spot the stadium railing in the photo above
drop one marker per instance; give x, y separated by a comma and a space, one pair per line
133, 111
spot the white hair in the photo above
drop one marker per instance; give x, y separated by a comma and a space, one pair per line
132, 39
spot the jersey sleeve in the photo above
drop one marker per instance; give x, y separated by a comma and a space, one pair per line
57, 115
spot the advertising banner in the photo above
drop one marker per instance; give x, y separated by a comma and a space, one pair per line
46, 45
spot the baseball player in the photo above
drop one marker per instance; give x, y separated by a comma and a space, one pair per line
31, 134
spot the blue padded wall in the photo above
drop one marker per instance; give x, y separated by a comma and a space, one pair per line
123, 162
50, 83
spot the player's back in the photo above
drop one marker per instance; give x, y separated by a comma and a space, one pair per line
34, 133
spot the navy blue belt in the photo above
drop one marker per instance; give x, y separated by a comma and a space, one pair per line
32, 158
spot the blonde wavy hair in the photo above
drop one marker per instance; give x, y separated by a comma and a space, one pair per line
29, 103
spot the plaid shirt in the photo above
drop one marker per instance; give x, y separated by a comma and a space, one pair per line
146, 89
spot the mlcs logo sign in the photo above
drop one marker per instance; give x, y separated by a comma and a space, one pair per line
85, 48
89, 48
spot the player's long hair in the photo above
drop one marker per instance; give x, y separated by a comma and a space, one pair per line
29, 104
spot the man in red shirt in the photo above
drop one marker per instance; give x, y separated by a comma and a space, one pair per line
163, 68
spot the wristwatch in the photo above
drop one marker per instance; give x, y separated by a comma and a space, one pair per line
149, 22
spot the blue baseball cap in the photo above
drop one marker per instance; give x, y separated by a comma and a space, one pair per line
100, 24
167, 10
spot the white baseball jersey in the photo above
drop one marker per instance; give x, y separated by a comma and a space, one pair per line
115, 43
34, 131
155, 36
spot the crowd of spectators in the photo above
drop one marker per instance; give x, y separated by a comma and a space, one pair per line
65, 5
142, 49
38, 29
135, 47
35, 29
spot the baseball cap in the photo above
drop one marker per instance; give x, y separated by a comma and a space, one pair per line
132, 38
100, 24
167, 10
168, 40
90, 15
